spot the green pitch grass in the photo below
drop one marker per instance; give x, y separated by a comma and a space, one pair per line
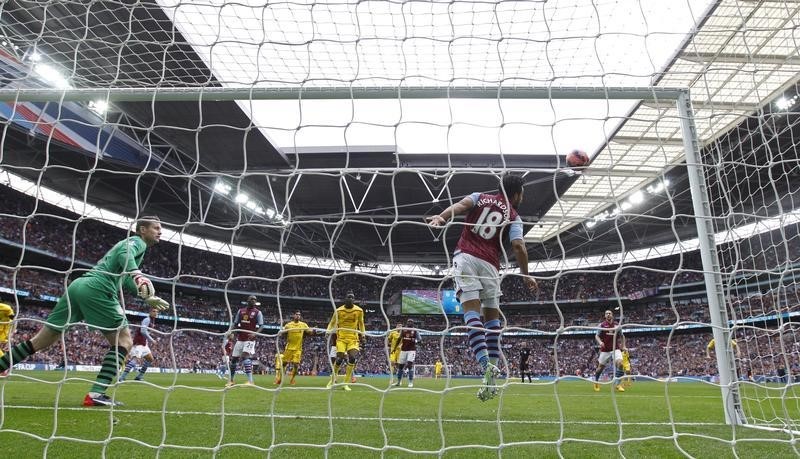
192, 416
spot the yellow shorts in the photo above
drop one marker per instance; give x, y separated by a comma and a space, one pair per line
394, 356
292, 356
345, 345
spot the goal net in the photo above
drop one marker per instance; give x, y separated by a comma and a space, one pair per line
294, 152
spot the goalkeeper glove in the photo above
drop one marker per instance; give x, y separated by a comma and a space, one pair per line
143, 285
156, 303
147, 292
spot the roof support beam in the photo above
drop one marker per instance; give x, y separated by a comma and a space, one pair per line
703, 104
634, 140
740, 58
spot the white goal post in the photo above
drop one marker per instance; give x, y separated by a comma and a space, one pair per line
678, 96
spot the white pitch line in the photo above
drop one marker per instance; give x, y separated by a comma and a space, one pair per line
395, 390
362, 418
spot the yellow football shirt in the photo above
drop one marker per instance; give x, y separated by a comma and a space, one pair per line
712, 343
6, 316
347, 323
394, 337
294, 335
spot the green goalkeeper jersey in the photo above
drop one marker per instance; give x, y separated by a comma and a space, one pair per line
124, 257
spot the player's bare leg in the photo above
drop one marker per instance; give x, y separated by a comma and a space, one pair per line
293, 373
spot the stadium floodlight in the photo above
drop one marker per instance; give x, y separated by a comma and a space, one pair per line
52, 76
34, 56
222, 188
251, 205
242, 198
636, 198
98, 106
784, 103
658, 187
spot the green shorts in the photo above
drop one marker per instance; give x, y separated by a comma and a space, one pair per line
99, 309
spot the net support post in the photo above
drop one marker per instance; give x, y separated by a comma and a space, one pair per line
712, 275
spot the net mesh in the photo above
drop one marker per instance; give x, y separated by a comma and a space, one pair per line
299, 201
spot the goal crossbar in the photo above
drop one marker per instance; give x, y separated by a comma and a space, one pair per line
177, 94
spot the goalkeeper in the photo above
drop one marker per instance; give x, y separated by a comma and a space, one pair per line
95, 299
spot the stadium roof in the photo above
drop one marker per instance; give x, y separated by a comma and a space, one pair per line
741, 57
364, 203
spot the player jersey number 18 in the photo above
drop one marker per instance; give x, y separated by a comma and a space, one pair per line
487, 223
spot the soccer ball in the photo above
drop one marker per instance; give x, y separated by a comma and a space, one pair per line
577, 158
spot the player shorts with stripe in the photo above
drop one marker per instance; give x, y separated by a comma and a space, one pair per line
140, 351
476, 279
406, 356
84, 302
292, 355
606, 356
248, 347
332, 352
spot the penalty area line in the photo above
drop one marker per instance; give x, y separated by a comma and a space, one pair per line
361, 418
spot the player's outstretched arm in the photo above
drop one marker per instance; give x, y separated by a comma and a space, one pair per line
458, 208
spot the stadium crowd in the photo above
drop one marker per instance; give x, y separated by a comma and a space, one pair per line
655, 355
571, 300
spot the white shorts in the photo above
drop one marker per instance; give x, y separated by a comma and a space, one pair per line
332, 352
406, 356
226, 359
606, 356
476, 279
247, 347
140, 351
